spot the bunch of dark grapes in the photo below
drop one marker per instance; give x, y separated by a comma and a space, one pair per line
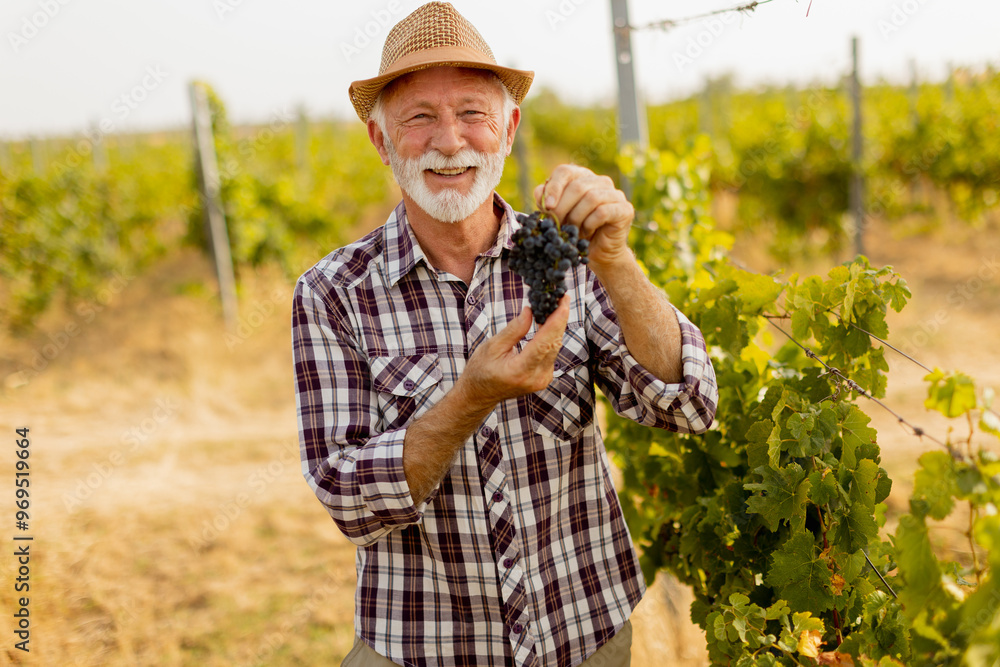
543, 253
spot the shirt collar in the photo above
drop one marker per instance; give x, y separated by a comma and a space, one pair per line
400, 249
402, 252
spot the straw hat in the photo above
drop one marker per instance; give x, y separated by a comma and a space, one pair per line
435, 35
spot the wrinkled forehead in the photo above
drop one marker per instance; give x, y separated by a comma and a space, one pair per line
441, 81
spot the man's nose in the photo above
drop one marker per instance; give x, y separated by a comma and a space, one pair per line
448, 138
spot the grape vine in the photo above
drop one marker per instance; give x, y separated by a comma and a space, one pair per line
776, 517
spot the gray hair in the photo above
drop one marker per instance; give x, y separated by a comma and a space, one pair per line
377, 113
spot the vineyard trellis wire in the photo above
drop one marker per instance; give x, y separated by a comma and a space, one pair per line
667, 24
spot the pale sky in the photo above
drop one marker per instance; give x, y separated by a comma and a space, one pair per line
66, 65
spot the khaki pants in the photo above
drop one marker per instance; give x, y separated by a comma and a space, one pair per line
616, 653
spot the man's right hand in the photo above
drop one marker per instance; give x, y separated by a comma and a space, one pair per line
496, 371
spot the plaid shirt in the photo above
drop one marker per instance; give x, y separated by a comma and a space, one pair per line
521, 555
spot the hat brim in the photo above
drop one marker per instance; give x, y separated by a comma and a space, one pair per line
363, 93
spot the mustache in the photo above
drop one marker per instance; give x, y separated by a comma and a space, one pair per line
434, 159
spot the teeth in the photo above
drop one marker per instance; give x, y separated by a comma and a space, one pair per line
451, 172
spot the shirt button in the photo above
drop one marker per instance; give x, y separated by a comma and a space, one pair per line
408, 385
507, 563
485, 431
471, 300
517, 629
497, 497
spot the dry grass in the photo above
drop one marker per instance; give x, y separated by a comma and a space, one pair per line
172, 525
171, 522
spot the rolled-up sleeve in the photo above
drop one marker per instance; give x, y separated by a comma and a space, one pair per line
354, 470
635, 393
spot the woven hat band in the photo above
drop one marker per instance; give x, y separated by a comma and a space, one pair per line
439, 54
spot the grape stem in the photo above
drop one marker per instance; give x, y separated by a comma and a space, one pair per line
545, 210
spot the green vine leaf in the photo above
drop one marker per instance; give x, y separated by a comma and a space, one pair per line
781, 496
935, 485
804, 635
722, 324
897, 292
951, 394
856, 433
822, 487
762, 437
857, 526
757, 292
800, 576
918, 568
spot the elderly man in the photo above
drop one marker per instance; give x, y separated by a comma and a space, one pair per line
451, 438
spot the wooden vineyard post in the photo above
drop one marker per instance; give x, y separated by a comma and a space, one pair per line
631, 119
523, 172
6, 161
208, 172
99, 148
857, 202
302, 141
39, 159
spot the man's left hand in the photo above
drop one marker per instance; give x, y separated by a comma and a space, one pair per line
578, 196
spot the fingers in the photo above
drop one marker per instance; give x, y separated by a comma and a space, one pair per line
539, 193
555, 324
542, 350
580, 197
590, 214
552, 190
515, 330
496, 371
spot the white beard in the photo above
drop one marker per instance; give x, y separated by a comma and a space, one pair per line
448, 205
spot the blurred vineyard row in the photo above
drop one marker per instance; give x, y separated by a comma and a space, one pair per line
786, 153
93, 208
76, 212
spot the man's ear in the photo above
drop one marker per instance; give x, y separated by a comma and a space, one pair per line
378, 141
515, 121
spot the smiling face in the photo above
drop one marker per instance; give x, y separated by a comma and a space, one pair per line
445, 132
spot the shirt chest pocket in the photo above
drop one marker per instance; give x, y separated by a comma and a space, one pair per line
407, 386
564, 408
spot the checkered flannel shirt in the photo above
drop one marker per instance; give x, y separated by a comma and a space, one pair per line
521, 555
